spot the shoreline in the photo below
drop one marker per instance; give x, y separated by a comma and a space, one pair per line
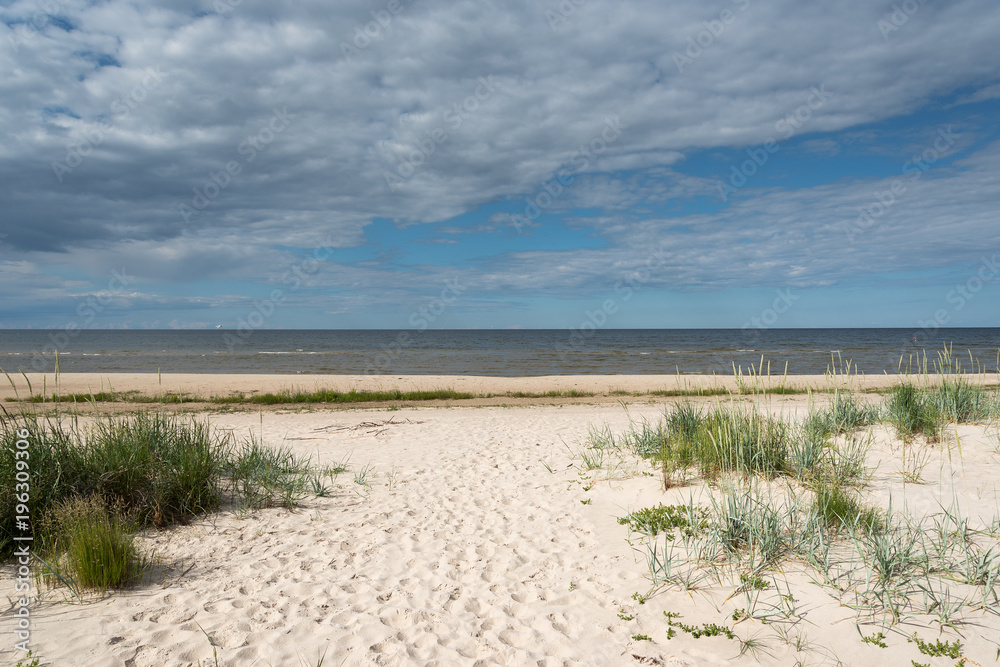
578, 387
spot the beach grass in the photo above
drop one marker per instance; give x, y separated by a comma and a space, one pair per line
268, 398
92, 487
734, 438
91, 546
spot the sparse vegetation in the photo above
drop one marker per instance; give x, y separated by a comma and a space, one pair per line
705, 630
782, 491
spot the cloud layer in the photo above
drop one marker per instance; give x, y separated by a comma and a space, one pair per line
206, 146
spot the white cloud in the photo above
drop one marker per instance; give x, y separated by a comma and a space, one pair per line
485, 103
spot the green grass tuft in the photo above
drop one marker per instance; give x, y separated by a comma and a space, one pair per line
912, 411
92, 546
839, 508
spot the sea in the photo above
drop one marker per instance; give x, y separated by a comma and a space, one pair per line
508, 352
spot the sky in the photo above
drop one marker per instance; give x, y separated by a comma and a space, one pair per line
474, 164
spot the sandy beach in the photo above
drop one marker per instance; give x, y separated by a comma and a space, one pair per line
477, 536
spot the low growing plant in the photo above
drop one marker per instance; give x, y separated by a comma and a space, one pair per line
664, 518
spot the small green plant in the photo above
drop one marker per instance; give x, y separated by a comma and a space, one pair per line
318, 487
625, 616
913, 466
33, 663
642, 638
586, 502
938, 648
706, 629
338, 468
753, 582
593, 458
876, 639
664, 518
361, 476
640, 598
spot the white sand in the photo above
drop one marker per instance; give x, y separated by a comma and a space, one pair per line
466, 550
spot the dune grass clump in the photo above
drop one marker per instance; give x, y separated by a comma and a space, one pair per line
954, 399
839, 508
91, 545
751, 529
844, 414
157, 466
54, 465
726, 439
959, 401
912, 411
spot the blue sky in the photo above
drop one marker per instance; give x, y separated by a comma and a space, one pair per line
515, 164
